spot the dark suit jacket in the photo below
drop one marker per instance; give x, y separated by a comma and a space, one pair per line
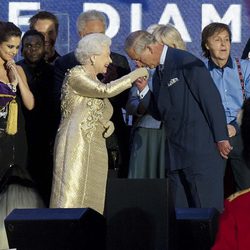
39, 121
246, 50
186, 99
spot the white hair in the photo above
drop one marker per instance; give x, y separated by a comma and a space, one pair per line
90, 45
91, 15
168, 34
151, 28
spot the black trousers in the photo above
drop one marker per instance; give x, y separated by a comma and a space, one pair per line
241, 171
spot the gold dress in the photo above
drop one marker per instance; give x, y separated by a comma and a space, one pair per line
80, 154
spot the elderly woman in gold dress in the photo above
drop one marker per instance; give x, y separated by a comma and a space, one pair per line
80, 161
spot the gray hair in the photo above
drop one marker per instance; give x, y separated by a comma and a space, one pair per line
91, 45
153, 27
169, 35
138, 41
87, 16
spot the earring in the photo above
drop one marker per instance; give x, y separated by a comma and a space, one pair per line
92, 62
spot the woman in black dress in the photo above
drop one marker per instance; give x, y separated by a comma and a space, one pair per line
16, 190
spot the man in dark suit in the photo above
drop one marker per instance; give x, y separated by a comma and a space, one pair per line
38, 122
118, 144
246, 51
185, 98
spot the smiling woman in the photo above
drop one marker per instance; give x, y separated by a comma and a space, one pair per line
15, 184
80, 154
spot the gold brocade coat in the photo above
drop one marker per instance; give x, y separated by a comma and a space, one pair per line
80, 154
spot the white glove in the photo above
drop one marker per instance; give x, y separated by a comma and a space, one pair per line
137, 73
109, 126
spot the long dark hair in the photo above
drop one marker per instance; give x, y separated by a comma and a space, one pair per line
7, 30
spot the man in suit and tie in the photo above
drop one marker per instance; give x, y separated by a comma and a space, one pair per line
185, 99
93, 21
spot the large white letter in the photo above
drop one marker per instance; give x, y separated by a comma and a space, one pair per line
16, 7
171, 11
232, 16
113, 15
135, 14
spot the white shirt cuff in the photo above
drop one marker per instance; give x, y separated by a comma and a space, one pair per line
143, 92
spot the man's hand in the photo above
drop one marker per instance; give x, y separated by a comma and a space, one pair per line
231, 130
141, 83
224, 148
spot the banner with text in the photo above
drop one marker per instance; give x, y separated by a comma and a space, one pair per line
124, 16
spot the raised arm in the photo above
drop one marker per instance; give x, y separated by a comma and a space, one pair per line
85, 86
17, 76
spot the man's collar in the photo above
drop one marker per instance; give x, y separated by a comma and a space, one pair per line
212, 65
52, 59
163, 54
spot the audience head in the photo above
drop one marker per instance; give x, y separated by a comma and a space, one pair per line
91, 21
10, 37
143, 48
46, 23
94, 50
33, 46
213, 37
169, 35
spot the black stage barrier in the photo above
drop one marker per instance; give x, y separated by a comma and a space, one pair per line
139, 214
196, 228
54, 229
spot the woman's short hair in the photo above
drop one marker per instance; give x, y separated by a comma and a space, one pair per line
169, 35
7, 30
209, 31
90, 45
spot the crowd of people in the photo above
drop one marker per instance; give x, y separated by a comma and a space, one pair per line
62, 124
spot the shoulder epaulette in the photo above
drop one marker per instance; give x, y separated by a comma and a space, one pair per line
237, 194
